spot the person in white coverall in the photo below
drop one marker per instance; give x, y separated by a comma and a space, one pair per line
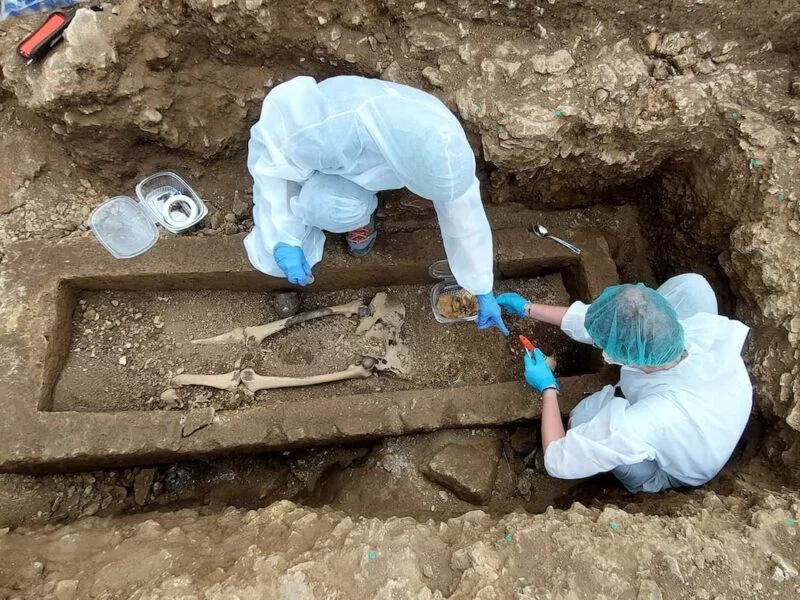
684, 395
319, 153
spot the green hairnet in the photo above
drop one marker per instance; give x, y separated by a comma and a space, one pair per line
635, 325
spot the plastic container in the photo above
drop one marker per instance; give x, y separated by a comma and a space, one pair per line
157, 189
441, 270
127, 228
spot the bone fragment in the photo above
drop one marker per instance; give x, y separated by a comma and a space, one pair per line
255, 382
226, 381
261, 332
384, 308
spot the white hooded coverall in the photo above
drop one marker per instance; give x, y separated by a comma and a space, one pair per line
320, 152
676, 427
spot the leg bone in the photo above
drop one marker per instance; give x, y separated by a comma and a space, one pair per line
255, 382
261, 332
226, 381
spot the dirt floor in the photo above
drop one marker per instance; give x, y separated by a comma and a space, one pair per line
672, 126
152, 332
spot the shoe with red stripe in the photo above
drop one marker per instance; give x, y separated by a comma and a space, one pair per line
360, 241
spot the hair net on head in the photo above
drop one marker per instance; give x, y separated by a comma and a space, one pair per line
424, 144
334, 203
635, 325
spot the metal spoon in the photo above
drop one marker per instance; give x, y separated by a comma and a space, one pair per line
541, 231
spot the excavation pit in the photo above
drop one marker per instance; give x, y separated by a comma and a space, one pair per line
63, 417
152, 332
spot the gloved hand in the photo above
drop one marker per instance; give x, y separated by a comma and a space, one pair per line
293, 263
513, 303
537, 373
489, 313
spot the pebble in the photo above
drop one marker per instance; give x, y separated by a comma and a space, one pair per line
600, 96
650, 42
230, 217
90, 314
433, 75
240, 206
123, 360
169, 396
158, 322
217, 220
92, 509
142, 483
137, 316
115, 302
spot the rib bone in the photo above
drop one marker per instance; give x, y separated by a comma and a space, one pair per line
255, 382
226, 381
261, 332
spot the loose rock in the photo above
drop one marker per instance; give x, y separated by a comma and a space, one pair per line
142, 483
197, 419
468, 471
556, 64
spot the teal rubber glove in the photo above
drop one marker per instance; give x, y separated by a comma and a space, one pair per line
537, 373
513, 303
293, 263
489, 313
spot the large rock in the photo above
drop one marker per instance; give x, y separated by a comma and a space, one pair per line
468, 470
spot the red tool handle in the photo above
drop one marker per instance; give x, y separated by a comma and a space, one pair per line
45, 36
527, 343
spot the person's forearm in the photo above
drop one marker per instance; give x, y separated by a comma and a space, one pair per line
552, 425
546, 313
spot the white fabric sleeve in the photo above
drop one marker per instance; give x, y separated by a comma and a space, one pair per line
275, 179
573, 323
467, 239
607, 441
587, 408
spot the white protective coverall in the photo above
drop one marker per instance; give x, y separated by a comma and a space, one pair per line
673, 428
320, 152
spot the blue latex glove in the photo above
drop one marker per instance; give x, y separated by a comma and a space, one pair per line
537, 373
293, 263
489, 313
513, 303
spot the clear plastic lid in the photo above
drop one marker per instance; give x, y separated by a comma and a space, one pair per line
122, 227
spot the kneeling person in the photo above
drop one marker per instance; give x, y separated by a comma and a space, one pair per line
685, 395
321, 151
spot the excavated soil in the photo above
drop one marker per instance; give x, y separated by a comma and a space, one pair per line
152, 332
673, 127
